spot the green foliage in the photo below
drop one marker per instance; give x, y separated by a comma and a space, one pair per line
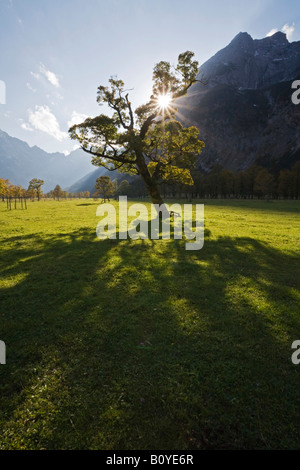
36, 185
188, 68
255, 182
264, 183
172, 151
124, 188
104, 187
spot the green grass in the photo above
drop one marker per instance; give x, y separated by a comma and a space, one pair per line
215, 370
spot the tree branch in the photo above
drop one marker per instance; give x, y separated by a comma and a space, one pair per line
156, 171
113, 169
119, 159
185, 89
130, 111
146, 125
120, 115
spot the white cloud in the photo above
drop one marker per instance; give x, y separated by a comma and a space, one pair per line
30, 87
51, 77
77, 118
26, 126
287, 29
44, 120
273, 31
35, 75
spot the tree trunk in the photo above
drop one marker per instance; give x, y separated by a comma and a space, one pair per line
157, 200
154, 192
150, 182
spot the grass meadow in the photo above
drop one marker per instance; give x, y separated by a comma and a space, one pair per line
122, 344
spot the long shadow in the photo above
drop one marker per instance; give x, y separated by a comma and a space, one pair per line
142, 345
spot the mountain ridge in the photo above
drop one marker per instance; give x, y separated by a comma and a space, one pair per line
253, 63
244, 117
20, 163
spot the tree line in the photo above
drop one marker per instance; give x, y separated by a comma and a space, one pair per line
14, 195
57, 193
256, 182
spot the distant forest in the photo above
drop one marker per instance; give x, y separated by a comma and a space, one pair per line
256, 182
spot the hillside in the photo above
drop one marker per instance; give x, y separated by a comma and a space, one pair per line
87, 183
244, 110
20, 163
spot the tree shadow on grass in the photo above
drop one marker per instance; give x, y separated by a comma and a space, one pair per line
89, 203
143, 345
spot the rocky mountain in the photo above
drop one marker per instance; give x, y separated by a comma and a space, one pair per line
244, 109
248, 63
20, 163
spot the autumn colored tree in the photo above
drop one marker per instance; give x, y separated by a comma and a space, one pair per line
3, 188
57, 192
148, 141
17, 192
11, 192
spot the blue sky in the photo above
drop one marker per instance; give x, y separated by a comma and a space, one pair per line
55, 53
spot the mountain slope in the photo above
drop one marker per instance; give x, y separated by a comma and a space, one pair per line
20, 163
253, 63
87, 183
244, 111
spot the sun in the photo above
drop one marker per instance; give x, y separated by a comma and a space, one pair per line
164, 101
